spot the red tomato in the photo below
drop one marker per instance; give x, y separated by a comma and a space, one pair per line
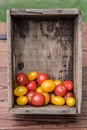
31, 86
60, 90
38, 99
42, 77
29, 95
68, 84
22, 79
68, 94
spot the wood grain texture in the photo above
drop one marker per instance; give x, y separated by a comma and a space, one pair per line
46, 44
21, 122
78, 61
45, 12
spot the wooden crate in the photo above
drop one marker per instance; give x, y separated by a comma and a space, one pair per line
45, 40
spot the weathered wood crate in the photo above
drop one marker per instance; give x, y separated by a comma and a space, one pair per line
45, 40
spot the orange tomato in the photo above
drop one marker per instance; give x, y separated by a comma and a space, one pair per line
58, 101
32, 75
22, 100
47, 98
48, 86
70, 101
57, 82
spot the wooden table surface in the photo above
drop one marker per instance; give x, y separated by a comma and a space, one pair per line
41, 122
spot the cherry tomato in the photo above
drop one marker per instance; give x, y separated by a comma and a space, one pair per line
58, 101
68, 94
32, 75
39, 89
38, 99
20, 91
31, 86
22, 79
48, 86
68, 84
47, 98
51, 95
22, 100
42, 77
29, 95
57, 82
60, 90
70, 101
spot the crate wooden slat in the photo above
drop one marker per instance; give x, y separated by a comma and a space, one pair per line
45, 41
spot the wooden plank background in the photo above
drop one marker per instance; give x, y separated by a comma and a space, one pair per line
41, 122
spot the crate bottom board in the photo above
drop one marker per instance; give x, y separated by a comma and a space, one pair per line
48, 109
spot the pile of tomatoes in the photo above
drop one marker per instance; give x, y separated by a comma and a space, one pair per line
38, 89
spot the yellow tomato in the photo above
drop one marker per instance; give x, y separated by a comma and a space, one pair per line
22, 100
47, 98
39, 90
57, 82
48, 86
20, 91
32, 75
70, 101
58, 101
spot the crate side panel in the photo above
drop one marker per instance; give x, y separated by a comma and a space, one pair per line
48, 109
44, 45
10, 61
78, 62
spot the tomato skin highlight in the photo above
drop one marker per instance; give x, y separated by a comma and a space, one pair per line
29, 95
41, 77
60, 90
20, 91
31, 86
68, 84
38, 99
22, 79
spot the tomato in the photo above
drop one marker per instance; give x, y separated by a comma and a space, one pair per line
70, 101
22, 79
57, 82
47, 98
48, 86
39, 90
29, 95
68, 94
31, 86
42, 77
60, 90
38, 99
58, 101
68, 84
20, 91
32, 75
51, 95
22, 100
